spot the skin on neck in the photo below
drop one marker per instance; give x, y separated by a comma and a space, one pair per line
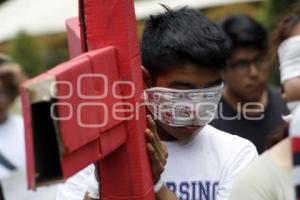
252, 110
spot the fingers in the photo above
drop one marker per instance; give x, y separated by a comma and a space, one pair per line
155, 139
156, 164
156, 145
157, 150
151, 124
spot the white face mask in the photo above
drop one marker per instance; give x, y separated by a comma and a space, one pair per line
289, 58
183, 107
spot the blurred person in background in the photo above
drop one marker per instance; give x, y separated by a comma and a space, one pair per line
250, 107
12, 144
273, 176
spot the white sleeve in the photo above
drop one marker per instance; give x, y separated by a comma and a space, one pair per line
242, 154
93, 187
76, 186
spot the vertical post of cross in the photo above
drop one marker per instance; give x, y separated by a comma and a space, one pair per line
113, 23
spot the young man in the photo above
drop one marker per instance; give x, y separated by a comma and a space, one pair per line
183, 54
11, 128
250, 108
12, 145
275, 174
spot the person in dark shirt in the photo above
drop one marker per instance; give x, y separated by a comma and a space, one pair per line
250, 107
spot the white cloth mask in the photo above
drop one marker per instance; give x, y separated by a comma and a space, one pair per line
289, 58
183, 107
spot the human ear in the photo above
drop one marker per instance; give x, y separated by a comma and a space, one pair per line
223, 74
146, 77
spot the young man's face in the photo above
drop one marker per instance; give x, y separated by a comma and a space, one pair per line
246, 74
186, 77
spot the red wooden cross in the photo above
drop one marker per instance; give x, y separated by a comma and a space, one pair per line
90, 108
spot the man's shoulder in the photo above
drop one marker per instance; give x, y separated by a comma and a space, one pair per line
274, 90
275, 95
233, 151
224, 139
276, 101
217, 135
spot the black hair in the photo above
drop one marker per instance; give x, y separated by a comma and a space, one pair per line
10, 85
244, 31
286, 26
182, 36
8, 80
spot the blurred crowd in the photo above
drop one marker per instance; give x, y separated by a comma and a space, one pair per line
13, 181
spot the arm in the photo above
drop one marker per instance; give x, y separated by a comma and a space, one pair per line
76, 186
158, 154
163, 194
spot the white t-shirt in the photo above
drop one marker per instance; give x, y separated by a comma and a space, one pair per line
205, 167
75, 187
12, 147
202, 168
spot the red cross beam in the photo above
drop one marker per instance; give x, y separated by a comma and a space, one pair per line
90, 108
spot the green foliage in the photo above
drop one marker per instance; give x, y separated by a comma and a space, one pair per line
56, 53
274, 10
25, 51
270, 14
37, 55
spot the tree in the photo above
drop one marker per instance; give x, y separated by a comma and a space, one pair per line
25, 51
274, 10
2, 1
270, 14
